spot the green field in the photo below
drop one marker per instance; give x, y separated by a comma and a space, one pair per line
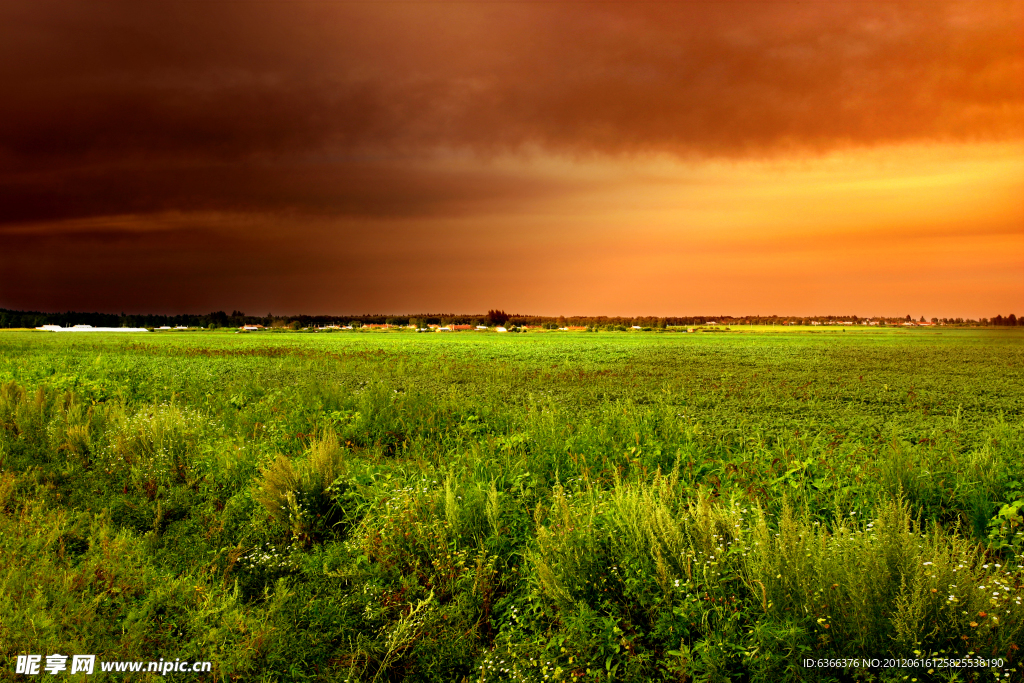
618, 506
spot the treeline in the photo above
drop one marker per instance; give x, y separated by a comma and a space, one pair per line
29, 319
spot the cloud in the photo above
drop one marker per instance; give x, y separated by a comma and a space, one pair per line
123, 106
353, 188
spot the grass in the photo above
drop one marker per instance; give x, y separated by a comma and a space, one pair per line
541, 507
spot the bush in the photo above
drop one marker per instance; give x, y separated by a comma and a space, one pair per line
304, 498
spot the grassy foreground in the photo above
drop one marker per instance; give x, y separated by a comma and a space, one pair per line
541, 507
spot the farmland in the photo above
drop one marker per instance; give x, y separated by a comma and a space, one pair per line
627, 506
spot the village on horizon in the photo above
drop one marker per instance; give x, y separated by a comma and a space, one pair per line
492, 321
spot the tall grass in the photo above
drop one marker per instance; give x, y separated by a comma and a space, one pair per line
725, 588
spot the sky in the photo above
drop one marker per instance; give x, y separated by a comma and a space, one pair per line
542, 157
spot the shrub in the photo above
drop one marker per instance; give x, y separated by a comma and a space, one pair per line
302, 498
157, 446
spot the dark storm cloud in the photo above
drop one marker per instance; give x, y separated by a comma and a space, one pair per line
124, 107
121, 266
363, 189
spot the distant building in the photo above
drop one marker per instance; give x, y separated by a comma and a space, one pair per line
89, 328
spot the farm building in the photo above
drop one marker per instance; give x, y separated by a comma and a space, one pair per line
89, 328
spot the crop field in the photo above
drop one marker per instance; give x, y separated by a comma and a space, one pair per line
551, 506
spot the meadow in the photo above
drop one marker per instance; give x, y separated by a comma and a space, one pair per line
550, 506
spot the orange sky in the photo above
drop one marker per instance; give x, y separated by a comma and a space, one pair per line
615, 158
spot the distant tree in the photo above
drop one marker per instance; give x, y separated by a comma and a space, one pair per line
909, 319
497, 317
1011, 319
922, 319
